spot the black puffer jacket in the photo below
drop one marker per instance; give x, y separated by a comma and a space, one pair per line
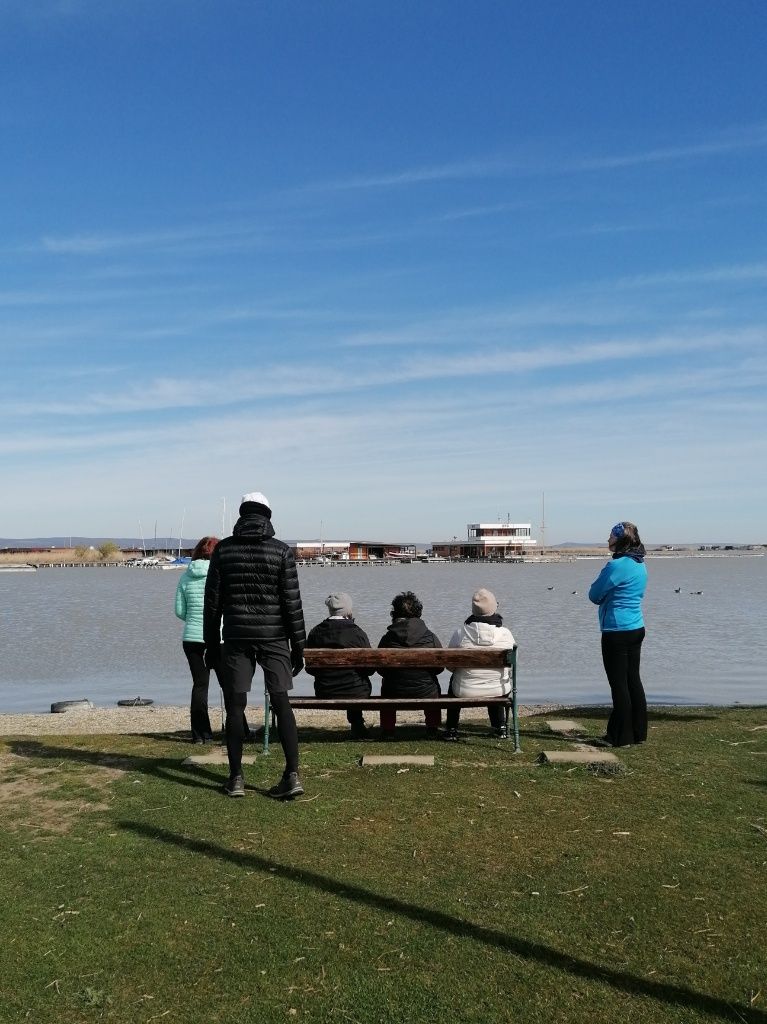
339, 682
253, 583
409, 682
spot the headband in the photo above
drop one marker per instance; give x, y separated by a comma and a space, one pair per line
618, 530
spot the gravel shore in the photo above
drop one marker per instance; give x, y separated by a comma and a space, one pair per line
165, 718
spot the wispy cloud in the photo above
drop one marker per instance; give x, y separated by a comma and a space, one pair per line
735, 139
281, 381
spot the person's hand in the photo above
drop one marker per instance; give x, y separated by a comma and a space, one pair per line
297, 660
212, 657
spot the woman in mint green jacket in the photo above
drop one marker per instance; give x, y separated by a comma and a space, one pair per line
190, 600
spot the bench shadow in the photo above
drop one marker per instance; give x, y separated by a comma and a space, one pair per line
167, 769
622, 981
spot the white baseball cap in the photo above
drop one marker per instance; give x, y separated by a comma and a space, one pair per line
256, 496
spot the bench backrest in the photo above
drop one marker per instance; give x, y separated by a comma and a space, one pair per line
414, 657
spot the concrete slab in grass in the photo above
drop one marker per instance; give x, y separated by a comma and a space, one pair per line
564, 725
587, 756
217, 757
373, 760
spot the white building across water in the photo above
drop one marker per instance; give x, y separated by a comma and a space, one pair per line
493, 541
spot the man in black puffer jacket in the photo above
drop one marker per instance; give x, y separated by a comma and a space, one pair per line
253, 585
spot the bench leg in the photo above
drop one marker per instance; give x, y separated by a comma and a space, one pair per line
267, 716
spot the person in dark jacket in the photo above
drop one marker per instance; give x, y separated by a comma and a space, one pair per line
409, 630
253, 585
340, 631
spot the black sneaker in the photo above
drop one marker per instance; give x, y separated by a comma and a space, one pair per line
235, 786
359, 732
451, 736
601, 741
289, 786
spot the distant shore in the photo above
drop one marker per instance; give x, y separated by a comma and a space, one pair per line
68, 557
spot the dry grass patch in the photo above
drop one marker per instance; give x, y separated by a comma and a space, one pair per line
41, 797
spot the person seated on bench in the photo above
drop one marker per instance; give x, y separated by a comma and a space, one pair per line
339, 630
409, 630
483, 628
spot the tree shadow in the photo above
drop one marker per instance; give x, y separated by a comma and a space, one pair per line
167, 769
622, 981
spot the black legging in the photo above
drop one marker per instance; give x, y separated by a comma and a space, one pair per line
198, 710
621, 652
235, 729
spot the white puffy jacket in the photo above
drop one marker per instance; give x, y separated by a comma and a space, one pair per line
481, 682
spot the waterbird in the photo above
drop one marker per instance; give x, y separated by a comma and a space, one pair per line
575, 591
696, 592
677, 590
549, 588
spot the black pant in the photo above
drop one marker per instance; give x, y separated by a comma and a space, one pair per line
621, 651
453, 716
238, 662
198, 710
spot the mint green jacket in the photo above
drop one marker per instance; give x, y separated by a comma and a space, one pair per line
190, 599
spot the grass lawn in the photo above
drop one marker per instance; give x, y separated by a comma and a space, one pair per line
488, 888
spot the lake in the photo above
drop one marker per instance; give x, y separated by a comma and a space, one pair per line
108, 634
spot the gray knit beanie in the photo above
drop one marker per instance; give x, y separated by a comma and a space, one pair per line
339, 604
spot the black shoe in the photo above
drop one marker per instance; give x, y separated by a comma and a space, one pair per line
208, 738
451, 736
235, 786
432, 734
359, 732
289, 786
387, 735
197, 740
601, 741
499, 734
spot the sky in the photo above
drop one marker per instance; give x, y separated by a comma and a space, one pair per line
401, 267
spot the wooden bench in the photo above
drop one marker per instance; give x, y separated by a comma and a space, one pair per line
438, 659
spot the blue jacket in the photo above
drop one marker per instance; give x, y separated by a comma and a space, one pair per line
190, 599
618, 590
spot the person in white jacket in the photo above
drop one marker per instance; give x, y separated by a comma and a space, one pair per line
483, 628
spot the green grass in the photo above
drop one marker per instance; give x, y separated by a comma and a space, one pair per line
487, 888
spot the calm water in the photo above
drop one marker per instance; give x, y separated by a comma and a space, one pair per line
106, 634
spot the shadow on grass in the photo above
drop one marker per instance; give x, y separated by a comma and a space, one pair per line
654, 714
167, 769
622, 981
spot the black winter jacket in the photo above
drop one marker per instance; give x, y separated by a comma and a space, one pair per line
339, 682
409, 682
253, 583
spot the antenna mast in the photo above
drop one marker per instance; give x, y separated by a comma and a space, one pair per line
543, 522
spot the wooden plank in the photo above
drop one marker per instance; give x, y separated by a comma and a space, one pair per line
217, 756
373, 760
412, 657
563, 725
581, 756
371, 703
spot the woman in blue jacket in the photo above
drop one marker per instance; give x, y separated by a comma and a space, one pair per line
618, 591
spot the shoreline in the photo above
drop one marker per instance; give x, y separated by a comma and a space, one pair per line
170, 718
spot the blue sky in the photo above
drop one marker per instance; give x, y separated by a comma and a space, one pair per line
400, 266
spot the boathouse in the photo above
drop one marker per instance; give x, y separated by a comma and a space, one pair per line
488, 541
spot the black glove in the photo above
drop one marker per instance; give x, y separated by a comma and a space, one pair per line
212, 657
297, 660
